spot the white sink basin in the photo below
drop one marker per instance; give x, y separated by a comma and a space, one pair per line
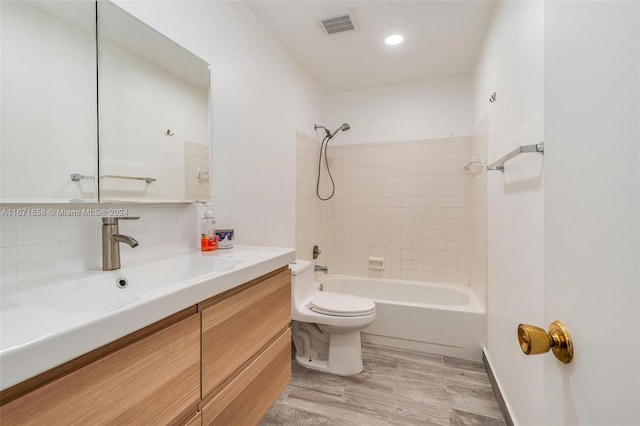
104, 291
45, 323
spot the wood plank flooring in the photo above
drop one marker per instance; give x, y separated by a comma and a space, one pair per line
397, 387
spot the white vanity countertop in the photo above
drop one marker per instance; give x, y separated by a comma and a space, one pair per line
46, 323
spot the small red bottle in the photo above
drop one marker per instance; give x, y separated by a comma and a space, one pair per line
208, 238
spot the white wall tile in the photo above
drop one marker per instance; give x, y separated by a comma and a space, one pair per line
79, 247
8, 237
8, 222
34, 247
58, 233
29, 253
411, 198
477, 233
8, 273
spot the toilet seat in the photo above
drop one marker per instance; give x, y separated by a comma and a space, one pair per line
341, 305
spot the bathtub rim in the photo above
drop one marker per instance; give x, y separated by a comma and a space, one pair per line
474, 305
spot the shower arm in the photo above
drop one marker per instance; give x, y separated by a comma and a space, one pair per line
316, 127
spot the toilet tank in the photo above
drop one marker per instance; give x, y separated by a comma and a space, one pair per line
303, 285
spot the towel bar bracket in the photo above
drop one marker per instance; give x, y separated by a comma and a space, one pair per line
499, 164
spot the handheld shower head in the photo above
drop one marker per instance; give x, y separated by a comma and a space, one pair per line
344, 128
323, 147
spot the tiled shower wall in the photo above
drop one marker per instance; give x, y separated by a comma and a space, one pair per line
408, 202
311, 224
479, 219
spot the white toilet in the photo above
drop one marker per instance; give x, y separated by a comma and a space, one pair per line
326, 326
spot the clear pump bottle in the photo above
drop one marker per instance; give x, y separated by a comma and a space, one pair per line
208, 239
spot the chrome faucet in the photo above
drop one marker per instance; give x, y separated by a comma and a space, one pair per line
321, 268
111, 240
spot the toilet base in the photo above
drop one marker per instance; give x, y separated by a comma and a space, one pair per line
312, 364
344, 355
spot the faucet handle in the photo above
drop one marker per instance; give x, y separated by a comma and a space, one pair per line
113, 220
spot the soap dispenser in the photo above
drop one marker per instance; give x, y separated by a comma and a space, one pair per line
208, 239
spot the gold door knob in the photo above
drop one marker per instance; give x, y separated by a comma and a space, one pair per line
534, 340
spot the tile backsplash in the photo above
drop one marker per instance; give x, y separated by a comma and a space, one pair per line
409, 202
61, 242
196, 171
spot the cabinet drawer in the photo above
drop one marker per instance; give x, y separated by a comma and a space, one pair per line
195, 420
237, 326
249, 396
155, 380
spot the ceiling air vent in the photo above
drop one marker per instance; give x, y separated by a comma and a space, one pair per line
338, 22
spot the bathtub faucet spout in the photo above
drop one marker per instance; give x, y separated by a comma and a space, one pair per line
321, 268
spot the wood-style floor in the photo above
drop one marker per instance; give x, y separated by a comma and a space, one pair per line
397, 387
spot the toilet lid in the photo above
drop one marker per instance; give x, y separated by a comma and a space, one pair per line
341, 305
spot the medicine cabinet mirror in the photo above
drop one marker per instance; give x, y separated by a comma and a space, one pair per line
153, 114
150, 98
48, 102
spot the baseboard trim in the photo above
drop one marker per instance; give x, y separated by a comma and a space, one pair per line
496, 390
474, 354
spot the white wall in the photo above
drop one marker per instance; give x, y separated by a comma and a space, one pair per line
511, 65
428, 110
260, 95
592, 210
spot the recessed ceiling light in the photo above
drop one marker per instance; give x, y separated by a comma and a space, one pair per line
394, 39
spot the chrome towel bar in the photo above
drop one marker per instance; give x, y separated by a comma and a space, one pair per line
146, 179
499, 164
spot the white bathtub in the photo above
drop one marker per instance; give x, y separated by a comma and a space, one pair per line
430, 317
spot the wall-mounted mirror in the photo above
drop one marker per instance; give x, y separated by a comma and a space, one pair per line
153, 114
48, 97
150, 98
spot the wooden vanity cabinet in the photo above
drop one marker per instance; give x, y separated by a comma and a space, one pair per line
195, 420
224, 361
247, 398
238, 323
154, 380
246, 349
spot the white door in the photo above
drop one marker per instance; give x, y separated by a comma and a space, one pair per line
592, 193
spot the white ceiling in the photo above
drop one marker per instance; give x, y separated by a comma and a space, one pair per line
442, 39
